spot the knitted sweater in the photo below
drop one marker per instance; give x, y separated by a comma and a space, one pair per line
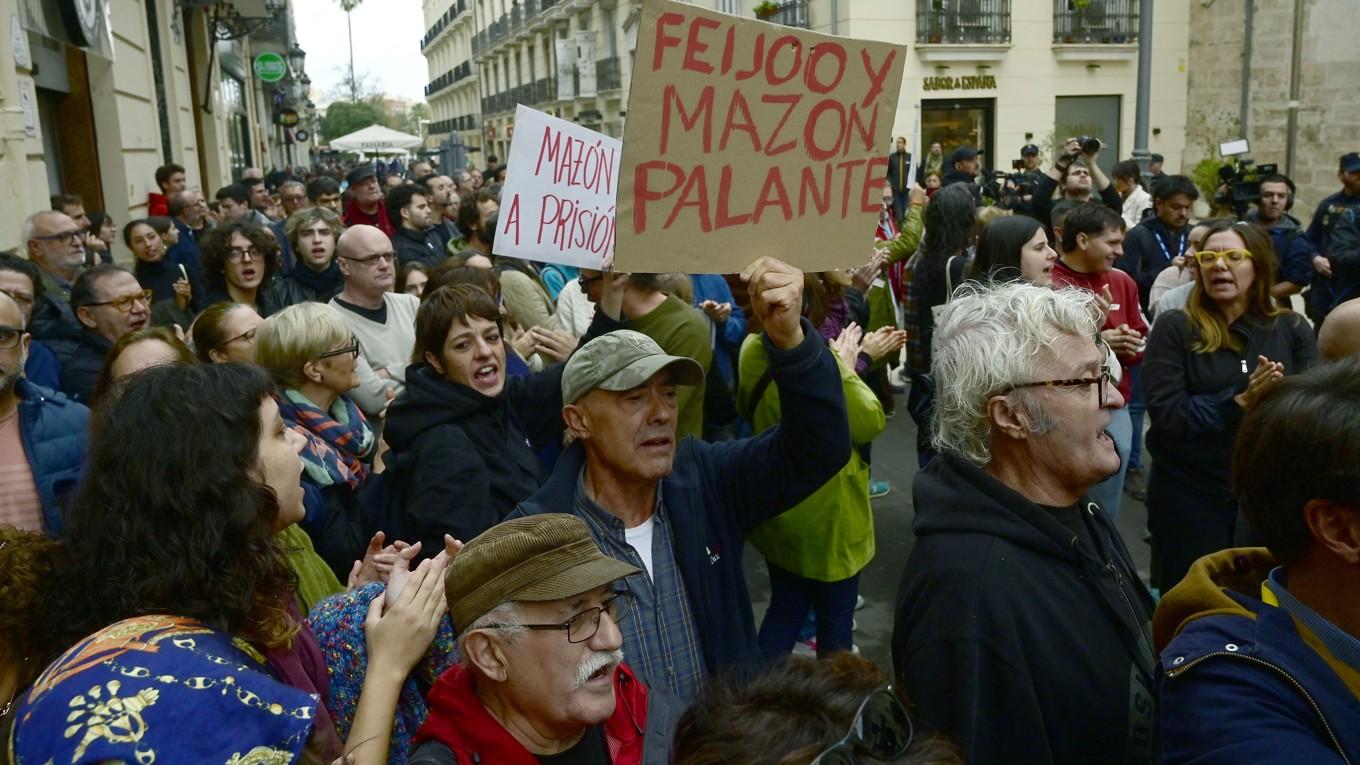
385, 346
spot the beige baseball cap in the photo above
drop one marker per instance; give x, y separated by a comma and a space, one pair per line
622, 360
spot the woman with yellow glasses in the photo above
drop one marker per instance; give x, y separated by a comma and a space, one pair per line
1204, 367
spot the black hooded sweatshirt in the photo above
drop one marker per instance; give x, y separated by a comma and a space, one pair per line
1024, 632
463, 460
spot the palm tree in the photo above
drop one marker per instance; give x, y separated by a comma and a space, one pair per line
347, 6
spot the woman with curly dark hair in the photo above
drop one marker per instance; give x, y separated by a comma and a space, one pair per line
27, 562
176, 570
239, 260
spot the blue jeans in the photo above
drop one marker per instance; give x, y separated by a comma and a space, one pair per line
791, 596
1108, 492
1137, 407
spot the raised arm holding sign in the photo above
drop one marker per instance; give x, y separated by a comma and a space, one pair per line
747, 139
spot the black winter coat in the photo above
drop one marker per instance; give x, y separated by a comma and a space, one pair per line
419, 247
1190, 395
461, 460
1011, 636
81, 359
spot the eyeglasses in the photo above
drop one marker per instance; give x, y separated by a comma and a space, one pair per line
248, 336
74, 235
124, 304
585, 281
584, 625
386, 257
1100, 383
236, 254
882, 730
19, 297
352, 349
9, 337
1233, 257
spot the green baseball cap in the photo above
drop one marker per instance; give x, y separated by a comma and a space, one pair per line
622, 360
535, 559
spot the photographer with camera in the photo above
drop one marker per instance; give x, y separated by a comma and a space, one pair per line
1078, 175
1340, 208
1292, 247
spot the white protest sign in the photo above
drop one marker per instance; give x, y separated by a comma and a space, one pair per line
557, 205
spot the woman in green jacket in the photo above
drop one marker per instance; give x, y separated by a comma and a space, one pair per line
816, 550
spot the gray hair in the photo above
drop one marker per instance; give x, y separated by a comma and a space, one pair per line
30, 227
507, 618
987, 339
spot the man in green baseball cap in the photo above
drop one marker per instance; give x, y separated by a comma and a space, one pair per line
679, 510
541, 675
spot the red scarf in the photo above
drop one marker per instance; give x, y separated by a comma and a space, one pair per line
459, 721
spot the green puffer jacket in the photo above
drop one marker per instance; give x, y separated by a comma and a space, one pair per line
830, 535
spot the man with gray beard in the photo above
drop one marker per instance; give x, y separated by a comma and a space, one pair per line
536, 607
42, 435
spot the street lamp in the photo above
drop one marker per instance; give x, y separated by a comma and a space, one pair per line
296, 57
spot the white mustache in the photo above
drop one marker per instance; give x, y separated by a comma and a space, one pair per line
594, 662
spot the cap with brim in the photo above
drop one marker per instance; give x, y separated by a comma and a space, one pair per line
622, 360
359, 173
1029, 148
539, 558
1350, 162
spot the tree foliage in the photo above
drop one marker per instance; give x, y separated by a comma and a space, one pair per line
344, 117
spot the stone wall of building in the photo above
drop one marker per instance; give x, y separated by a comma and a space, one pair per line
1329, 99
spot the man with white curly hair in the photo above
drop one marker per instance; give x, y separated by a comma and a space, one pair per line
1022, 628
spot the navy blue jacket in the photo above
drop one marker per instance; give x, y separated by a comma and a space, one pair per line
1326, 216
81, 359
42, 367
1148, 250
717, 492
1238, 684
52, 429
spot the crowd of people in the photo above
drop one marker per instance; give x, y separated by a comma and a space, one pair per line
320, 478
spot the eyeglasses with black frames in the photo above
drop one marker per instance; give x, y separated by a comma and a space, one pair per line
583, 626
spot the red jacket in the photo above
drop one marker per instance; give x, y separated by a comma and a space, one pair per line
157, 204
459, 721
1125, 292
353, 216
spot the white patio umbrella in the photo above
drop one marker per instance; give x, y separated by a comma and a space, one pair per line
376, 139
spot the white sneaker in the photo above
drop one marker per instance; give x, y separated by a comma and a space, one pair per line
859, 602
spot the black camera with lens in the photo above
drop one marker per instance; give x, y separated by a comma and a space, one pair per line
1241, 185
1089, 145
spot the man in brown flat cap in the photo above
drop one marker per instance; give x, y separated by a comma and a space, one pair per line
542, 679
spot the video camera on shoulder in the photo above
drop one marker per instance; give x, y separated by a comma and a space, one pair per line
1241, 178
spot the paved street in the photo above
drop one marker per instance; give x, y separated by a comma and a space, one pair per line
895, 461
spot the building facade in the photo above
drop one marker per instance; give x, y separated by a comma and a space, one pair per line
996, 74
97, 95
1226, 73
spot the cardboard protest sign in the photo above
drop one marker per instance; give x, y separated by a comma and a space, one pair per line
557, 204
746, 138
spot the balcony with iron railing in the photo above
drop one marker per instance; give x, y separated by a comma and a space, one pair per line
458, 8
791, 13
1104, 22
453, 76
607, 76
986, 22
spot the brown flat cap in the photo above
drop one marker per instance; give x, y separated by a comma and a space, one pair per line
535, 559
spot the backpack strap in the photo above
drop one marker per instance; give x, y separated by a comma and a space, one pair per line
757, 393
